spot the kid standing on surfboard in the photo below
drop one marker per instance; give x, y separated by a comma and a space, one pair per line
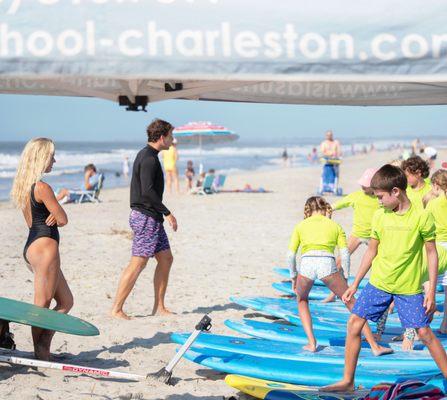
318, 236
400, 233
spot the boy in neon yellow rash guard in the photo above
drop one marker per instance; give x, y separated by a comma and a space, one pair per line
318, 236
417, 172
400, 233
438, 207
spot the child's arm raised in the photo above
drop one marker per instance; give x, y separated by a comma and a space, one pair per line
365, 265
432, 259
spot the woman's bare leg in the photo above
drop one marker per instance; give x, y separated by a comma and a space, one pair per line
176, 181
338, 285
43, 255
303, 287
168, 175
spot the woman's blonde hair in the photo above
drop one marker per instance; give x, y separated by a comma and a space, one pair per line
317, 204
439, 178
35, 159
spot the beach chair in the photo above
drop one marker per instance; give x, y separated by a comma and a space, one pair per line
207, 186
89, 196
219, 182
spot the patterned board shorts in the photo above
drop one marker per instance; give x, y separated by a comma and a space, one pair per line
315, 267
149, 235
373, 302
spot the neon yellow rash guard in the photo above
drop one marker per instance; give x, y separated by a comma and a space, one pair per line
364, 208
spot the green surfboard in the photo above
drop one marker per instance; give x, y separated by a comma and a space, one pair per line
29, 314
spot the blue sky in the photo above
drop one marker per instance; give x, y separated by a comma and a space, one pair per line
79, 119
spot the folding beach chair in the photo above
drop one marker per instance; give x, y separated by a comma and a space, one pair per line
207, 186
89, 196
219, 182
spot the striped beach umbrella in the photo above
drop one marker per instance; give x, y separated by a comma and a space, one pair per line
203, 132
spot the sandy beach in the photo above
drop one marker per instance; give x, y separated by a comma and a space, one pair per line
226, 244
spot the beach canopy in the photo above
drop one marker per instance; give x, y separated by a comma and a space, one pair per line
137, 51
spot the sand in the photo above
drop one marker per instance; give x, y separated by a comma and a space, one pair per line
226, 244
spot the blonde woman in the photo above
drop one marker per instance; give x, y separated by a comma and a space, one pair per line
43, 215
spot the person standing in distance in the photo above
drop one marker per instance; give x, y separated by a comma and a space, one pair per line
146, 221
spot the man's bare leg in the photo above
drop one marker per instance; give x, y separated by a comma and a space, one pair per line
126, 284
435, 347
161, 277
352, 350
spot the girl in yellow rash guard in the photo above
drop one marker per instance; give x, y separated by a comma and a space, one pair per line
318, 236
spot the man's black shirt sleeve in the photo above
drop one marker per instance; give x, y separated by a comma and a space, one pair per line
148, 174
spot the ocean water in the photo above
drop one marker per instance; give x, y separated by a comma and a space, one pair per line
229, 158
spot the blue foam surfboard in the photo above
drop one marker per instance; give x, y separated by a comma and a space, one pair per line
410, 361
317, 293
302, 373
331, 316
295, 334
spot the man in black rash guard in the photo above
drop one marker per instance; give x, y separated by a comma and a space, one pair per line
146, 221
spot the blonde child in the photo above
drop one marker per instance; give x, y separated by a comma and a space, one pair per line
417, 172
318, 236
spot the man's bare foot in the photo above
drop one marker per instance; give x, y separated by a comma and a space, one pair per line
119, 314
310, 347
407, 344
341, 386
162, 312
381, 351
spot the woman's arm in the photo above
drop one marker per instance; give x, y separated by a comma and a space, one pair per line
45, 194
87, 176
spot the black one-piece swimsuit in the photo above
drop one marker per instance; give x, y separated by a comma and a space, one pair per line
39, 214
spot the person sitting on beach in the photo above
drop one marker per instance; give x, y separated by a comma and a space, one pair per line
189, 175
318, 236
399, 233
91, 181
43, 215
365, 204
417, 172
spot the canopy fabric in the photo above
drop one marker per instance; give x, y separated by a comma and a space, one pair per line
299, 52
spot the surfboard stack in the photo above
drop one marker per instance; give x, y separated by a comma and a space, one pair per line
268, 361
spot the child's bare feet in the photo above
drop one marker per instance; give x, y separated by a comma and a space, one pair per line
407, 344
381, 351
310, 347
342, 386
329, 299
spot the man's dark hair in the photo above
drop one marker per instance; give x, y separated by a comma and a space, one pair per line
389, 177
157, 129
416, 164
89, 167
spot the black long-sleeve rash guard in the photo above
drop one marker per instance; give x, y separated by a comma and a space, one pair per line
147, 185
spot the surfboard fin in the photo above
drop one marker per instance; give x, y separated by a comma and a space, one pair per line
165, 374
